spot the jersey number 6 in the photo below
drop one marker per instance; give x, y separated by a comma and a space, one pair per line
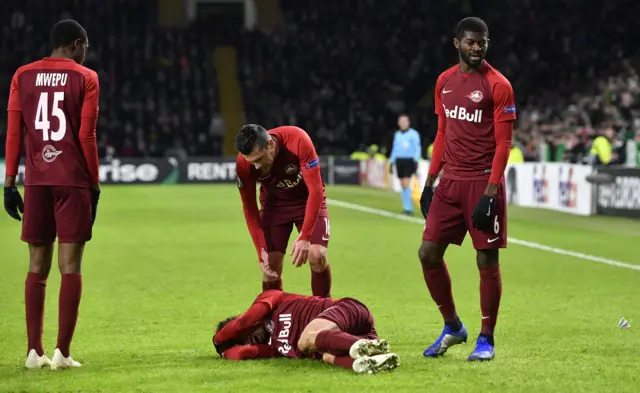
42, 116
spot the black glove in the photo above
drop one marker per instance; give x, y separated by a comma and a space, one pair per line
13, 202
220, 348
483, 214
391, 168
425, 200
415, 167
95, 196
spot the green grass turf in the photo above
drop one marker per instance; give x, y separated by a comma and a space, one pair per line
168, 262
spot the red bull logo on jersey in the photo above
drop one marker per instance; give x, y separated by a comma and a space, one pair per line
461, 113
286, 183
284, 322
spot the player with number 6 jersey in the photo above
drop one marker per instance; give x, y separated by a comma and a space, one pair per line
285, 163
53, 104
476, 111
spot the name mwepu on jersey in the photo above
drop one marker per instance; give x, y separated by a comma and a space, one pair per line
51, 79
461, 113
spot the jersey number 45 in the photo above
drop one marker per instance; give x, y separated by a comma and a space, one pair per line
42, 116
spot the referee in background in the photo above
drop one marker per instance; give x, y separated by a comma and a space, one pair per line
405, 155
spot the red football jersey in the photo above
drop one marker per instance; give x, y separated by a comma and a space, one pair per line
284, 185
53, 95
472, 104
284, 316
289, 316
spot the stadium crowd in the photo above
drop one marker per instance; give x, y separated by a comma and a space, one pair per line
158, 87
344, 70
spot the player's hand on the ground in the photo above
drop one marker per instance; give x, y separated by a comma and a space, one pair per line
300, 252
95, 197
482, 217
425, 200
264, 264
13, 202
221, 347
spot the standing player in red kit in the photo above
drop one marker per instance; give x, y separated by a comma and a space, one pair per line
54, 102
285, 162
476, 111
340, 332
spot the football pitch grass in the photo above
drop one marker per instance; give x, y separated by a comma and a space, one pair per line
168, 262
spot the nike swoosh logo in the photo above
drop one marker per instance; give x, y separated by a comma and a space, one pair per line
325, 238
492, 240
446, 91
486, 317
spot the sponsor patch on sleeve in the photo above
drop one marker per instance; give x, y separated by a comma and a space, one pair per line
509, 109
312, 163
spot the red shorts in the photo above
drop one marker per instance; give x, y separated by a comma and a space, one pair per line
352, 317
277, 224
51, 211
450, 213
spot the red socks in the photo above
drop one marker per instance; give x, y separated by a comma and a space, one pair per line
439, 283
34, 290
335, 342
344, 362
266, 285
68, 305
490, 293
321, 283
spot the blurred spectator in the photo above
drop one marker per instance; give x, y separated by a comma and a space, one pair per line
344, 70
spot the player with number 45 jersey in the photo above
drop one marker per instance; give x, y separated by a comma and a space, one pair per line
53, 104
286, 164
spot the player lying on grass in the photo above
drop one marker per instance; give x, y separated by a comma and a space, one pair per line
280, 324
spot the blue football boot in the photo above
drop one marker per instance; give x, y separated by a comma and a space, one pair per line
484, 350
447, 339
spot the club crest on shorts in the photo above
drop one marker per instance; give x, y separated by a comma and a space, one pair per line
49, 153
290, 169
476, 96
239, 181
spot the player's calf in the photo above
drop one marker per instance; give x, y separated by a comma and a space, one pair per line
308, 341
320, 271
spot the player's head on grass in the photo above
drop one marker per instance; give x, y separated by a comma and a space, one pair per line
472, 41
69, 39
403, 122
257, 146
258, 335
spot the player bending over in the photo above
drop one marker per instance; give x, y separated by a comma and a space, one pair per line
54, 102
475, 107
279, 324
285, 163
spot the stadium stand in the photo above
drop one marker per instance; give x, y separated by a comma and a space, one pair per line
158, 86
342, 70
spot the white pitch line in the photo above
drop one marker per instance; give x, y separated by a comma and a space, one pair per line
536, 246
